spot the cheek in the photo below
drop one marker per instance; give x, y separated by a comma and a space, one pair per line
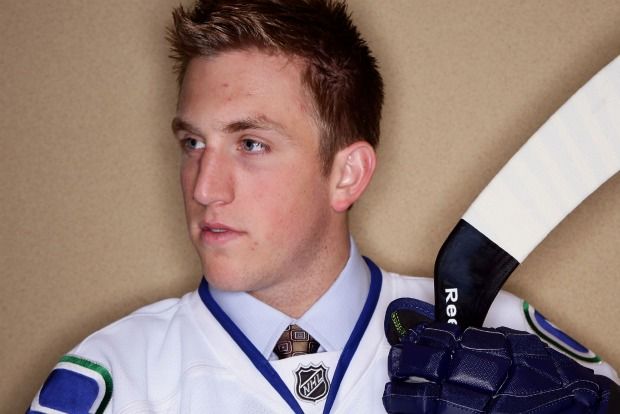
188, 178
292, 201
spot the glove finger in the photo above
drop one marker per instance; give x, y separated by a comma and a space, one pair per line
610, 398
534, 368
482, 360
544, 380
424, 352
565, 401
414, 360
426, 397
404, 397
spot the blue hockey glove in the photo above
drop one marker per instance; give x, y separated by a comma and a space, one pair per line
441, 368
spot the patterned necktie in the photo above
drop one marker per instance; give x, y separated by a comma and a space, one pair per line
295, 341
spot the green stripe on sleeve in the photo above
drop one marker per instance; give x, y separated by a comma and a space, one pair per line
99, 369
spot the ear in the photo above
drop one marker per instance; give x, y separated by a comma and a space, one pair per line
352, 170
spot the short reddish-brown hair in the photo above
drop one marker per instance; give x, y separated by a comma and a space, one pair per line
340, 72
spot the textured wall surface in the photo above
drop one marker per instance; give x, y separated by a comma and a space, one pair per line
91, 217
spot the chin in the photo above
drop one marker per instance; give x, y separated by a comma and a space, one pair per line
224, 277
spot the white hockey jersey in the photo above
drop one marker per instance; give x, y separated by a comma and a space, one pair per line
186, 356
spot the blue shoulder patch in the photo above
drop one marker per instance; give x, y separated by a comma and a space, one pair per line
74, 386
556, 337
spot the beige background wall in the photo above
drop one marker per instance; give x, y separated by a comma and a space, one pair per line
91, 217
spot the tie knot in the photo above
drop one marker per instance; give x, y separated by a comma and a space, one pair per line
295, 341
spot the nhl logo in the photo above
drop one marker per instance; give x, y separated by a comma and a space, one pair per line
311, 382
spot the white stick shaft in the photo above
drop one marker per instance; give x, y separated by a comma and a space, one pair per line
568, 158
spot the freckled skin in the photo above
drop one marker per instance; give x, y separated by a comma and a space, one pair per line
289, 242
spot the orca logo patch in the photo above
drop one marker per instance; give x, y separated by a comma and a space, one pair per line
556, 337
75, 385
311, 382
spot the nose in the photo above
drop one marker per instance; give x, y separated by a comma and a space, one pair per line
215, 181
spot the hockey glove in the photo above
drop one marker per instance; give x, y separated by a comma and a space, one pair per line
441, 368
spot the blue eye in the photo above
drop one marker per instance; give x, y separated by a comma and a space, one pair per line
250, 145
192, 144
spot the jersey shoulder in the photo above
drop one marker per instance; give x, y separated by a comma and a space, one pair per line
84, 380
418, 287
136, 330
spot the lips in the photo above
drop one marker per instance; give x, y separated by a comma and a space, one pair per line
217, 233
215, 227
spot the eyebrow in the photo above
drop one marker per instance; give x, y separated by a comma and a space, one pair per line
257, 122
260, 122
179, 124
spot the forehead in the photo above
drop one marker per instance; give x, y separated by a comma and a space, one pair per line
247, 80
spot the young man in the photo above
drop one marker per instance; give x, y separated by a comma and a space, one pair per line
277, 120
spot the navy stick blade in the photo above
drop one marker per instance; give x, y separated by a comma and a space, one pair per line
468, 252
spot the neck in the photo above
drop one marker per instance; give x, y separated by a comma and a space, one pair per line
297, 293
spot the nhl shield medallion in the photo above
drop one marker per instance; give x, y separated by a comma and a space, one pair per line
311, 382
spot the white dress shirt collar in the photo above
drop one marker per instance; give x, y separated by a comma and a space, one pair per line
330, 320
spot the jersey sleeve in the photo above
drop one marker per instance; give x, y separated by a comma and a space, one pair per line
76, 385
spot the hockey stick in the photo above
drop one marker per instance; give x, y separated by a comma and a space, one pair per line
567, 159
